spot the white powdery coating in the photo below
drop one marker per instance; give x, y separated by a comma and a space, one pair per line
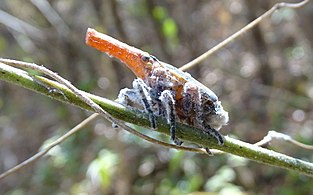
220, 118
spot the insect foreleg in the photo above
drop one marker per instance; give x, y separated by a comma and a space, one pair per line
146, 100
127, 97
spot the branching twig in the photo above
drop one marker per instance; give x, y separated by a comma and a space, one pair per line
87, 100
44, 70
271, 135
184, 132
241, 31
49, 147
152, 140
78, 127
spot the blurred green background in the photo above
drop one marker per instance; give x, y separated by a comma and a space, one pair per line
264, 79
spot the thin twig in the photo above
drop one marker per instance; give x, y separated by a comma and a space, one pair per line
271, 135
191, 134
103, 113
149, 139
71, 132
58, 78
38, 155
241, 31
49, 147
91, 103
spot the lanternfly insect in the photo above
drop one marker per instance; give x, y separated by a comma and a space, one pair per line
163, 90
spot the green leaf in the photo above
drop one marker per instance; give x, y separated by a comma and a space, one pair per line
169, 28
159, 13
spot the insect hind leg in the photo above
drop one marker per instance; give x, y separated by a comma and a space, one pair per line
214, 133
194, 94
192, 101
168, 102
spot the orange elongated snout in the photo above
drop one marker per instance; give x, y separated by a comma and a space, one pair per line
130, 56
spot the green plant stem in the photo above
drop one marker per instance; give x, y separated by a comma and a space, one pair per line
44, 86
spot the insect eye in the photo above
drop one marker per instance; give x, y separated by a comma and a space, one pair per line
145, 58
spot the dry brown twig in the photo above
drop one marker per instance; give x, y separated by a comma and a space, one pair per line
248, 27
103, 113
45, 150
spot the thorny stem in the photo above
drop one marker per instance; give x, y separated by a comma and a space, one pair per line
184, 132
205, 55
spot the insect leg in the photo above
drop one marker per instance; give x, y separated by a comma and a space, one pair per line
199, 98
168, 102
187, 103
208, 151
214, 133
146, 100
127, 97
193, 101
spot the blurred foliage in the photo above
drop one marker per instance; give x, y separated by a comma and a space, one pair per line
264, 80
